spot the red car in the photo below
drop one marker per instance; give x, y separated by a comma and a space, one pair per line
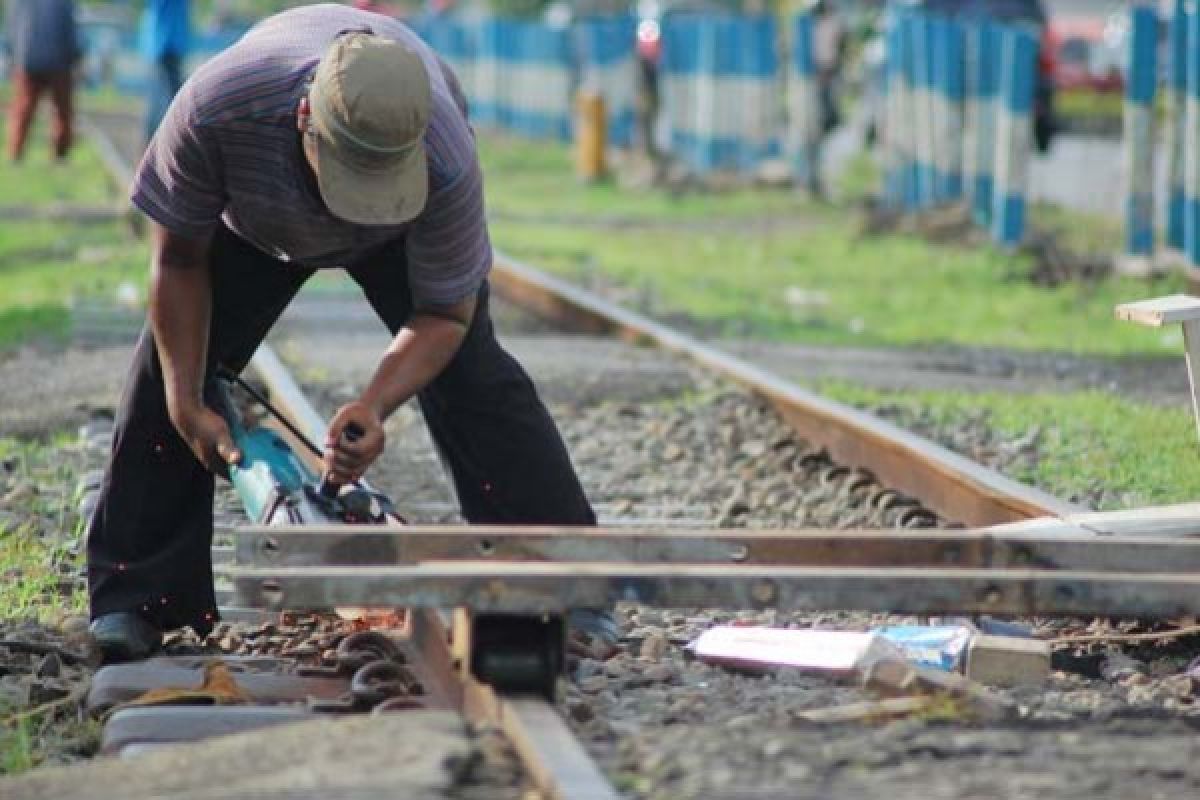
1084, 55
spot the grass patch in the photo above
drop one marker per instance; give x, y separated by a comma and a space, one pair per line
1093, 448
1079, 231
41, 566
1090, 104
817, 281
528, 179
859, 178
39, 181
16, 749
40, 531
808, 276
28, 744
45, 267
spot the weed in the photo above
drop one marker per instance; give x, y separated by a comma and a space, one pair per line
16, 748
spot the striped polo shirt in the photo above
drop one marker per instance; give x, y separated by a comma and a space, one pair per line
228, 150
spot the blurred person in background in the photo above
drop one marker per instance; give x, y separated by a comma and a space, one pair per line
165, 37
42, 42
829, 48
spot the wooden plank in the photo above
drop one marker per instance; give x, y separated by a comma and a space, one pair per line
1065, 548
1160, 311
549, 587
954, 486
1179, 520
1191, 342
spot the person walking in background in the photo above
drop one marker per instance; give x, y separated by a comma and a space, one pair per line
829, 46
43, 47
165, 38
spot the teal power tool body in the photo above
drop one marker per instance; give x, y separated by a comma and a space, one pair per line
276, 487
514, 652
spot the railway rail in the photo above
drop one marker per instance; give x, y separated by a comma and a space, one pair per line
557, 764
1040, 556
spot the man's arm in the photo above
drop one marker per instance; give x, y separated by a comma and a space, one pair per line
418, 354
180, 314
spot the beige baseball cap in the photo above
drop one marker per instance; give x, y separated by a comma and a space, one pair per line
370, 103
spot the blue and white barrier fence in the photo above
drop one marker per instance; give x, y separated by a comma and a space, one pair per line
1177, 100
1014, 134
608, 66
112, 57
457, 42
959, 117
979, 145
719, 90
921, 80
1191, 157
523, 78
1140, 84
948, 94
895, 136
719, 81
804, 105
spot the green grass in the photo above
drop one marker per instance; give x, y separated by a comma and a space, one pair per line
1079, 231
859, 179
1089, 104
38, 181
36, 557
534, 180
1097, 449
809, 276
817, 281
40, 566
16, 749
45, 267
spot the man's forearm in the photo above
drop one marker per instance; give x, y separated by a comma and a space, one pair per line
417, 355
180, 313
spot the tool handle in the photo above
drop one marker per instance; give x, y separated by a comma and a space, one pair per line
351, 433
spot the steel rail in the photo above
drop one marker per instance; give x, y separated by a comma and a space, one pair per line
547, 587
559, 767
950, 484
1062, 548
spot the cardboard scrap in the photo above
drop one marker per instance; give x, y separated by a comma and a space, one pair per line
935, 646
900, 679
219, 688
883, 710
1008, 661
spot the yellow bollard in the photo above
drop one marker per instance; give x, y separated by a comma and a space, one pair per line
591, 137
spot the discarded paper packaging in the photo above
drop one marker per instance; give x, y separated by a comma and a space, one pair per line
837, 652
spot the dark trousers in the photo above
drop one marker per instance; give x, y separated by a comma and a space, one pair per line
149, 539
28, 88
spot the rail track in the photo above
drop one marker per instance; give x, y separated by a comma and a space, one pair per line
1041, 557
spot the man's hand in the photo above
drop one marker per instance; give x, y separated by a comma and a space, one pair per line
347, 457
206, 433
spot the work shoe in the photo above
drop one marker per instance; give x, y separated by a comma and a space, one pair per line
592, 633
125, 636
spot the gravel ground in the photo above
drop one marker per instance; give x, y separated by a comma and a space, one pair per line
663, 725
655, 441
